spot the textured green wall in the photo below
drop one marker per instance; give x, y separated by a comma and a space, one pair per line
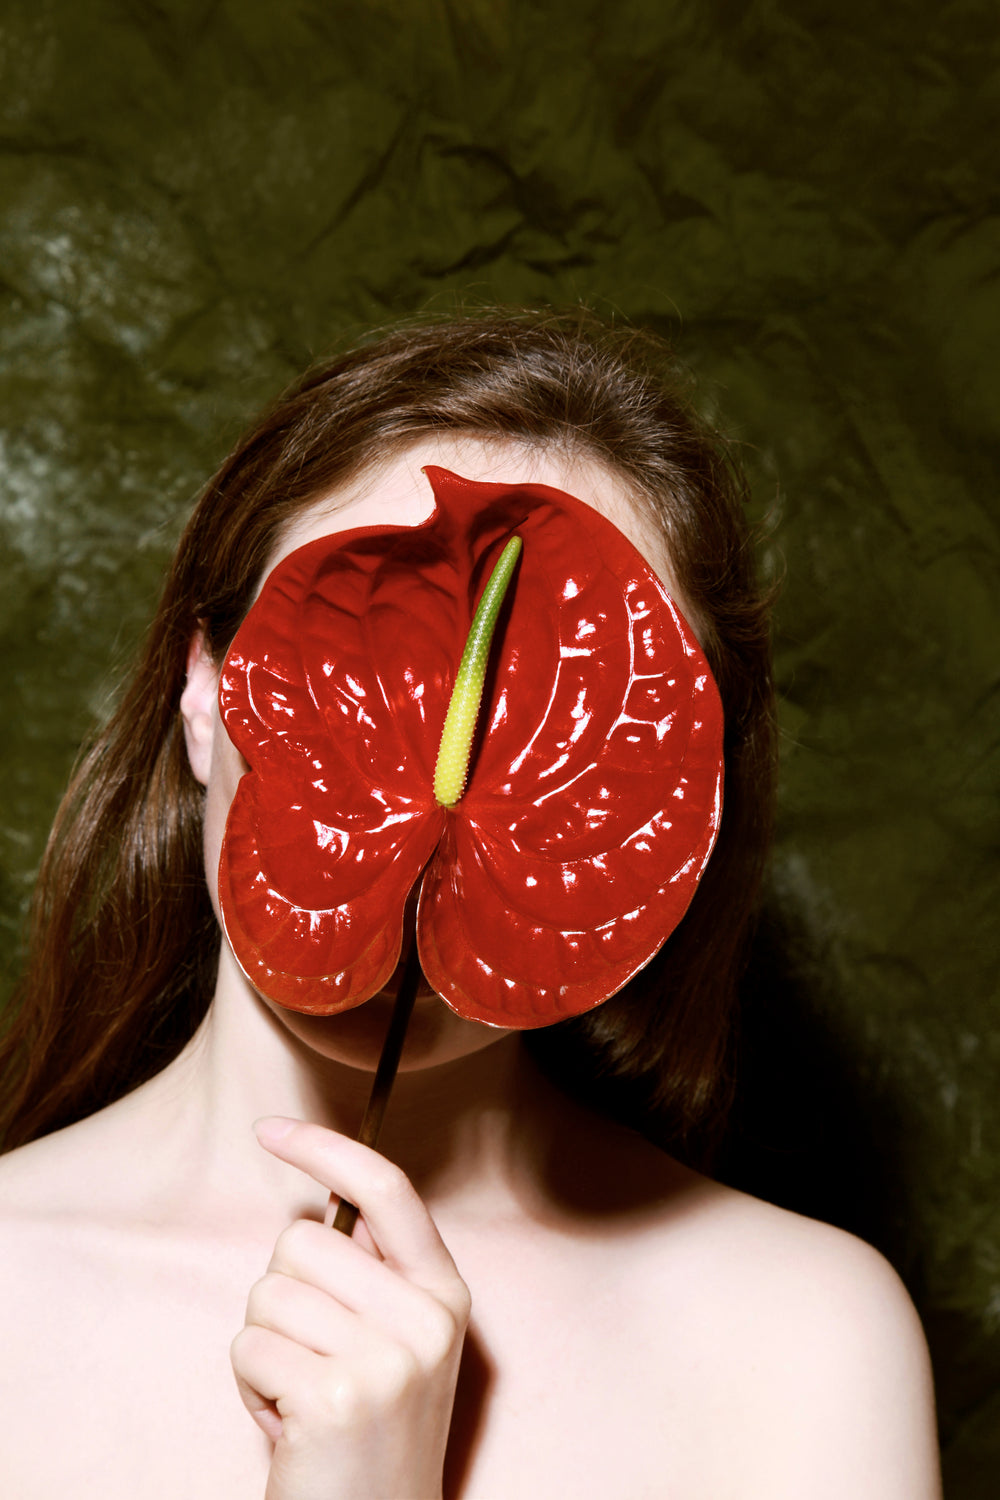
200, 195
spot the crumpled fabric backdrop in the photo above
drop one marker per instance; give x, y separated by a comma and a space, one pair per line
198, 196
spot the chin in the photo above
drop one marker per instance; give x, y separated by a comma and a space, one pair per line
354, 1038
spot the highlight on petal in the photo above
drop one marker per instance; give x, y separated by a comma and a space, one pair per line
593, 795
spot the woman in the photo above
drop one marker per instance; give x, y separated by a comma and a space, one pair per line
635, 1329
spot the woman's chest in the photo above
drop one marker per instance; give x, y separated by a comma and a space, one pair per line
573, 1386
116, 1379
118, 1384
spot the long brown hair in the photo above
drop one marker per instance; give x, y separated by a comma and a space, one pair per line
123, 940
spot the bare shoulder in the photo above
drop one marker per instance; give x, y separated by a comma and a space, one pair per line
777, 1253
62, 1199
98, 1280
75, 1197
50, 1248
69, 1171
816, 1338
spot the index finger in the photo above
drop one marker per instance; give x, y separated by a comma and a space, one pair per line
394, 1213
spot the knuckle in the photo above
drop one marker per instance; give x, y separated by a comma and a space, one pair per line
338, 1401
243, 1348
293, 1244
398, 1371
261, 1298
350, 1397
460, 1302
442, 1331
387, 1184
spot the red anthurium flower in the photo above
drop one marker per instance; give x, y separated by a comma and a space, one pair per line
593, 796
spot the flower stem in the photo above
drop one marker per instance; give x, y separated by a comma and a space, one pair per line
385, 1073
449, 783
460, 722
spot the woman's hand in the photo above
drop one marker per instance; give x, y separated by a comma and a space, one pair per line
350, 1353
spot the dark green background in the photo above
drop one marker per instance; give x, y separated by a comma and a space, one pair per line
198, 197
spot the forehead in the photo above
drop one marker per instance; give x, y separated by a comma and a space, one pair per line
398, 493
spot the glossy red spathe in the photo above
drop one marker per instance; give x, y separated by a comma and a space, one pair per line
594, 794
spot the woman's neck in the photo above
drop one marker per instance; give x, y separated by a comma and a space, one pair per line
465, 1129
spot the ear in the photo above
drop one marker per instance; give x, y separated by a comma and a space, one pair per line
198, 707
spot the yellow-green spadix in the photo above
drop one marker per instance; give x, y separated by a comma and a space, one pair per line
452, 767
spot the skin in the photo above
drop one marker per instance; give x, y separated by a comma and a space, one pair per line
635, 1330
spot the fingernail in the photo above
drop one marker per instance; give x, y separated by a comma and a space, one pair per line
272, 1128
